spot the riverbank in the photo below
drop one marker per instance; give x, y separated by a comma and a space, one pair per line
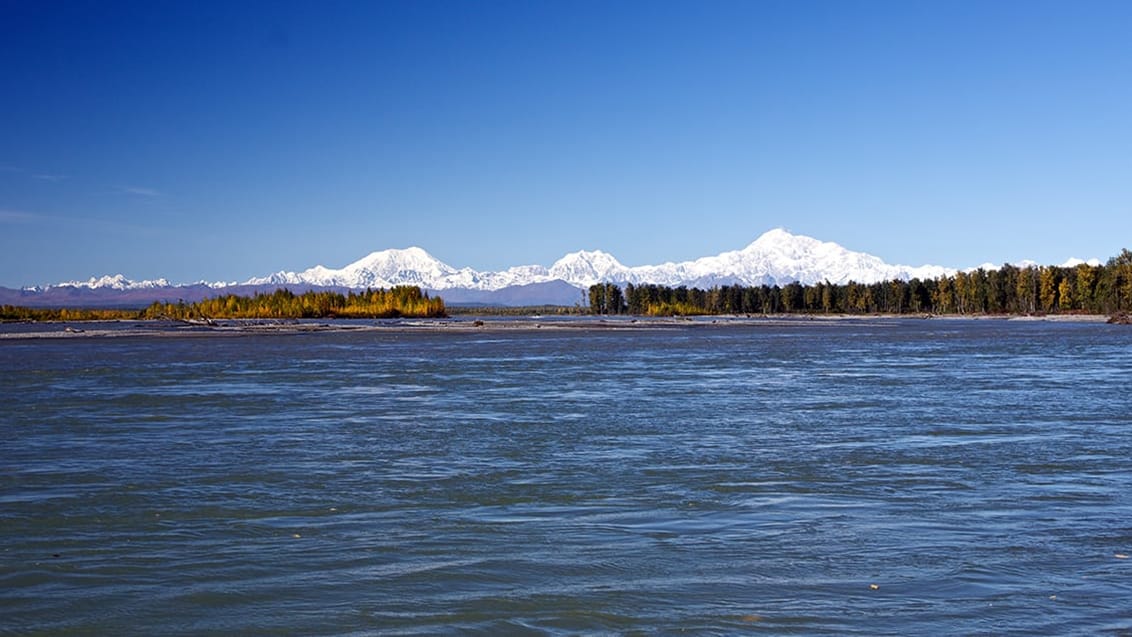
235, 327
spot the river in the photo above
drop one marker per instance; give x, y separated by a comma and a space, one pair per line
847, 477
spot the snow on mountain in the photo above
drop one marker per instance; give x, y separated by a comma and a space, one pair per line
411, 266
584, 269
115, 282
777, 257
787, 257
1074, 262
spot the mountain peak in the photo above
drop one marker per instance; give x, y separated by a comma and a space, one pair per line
412, 252
776, 235
783, 241
386, 268
588, 256
586, 267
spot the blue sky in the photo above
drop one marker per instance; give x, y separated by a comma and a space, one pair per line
225, 140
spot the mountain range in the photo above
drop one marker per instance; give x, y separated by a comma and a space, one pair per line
778, 257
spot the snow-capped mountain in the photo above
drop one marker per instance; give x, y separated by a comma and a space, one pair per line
1072, 262
115, 282
777, 257
411, 266
119, 282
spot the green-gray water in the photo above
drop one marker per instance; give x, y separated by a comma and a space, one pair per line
859, 477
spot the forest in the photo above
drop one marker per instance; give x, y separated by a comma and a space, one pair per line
1082, 289
400, 301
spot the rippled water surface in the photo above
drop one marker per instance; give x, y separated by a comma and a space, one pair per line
858, 477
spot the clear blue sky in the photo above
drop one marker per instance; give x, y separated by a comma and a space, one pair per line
224, 140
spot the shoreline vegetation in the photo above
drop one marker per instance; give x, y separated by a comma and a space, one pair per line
398, 302
1010, 290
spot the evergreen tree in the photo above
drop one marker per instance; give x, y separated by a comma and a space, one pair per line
597, 298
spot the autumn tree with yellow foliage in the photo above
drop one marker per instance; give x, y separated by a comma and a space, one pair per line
401, 301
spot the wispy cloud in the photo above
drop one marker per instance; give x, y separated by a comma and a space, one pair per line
80, 223
139, 191
18, 216
28, 173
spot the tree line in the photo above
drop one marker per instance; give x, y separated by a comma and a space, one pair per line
1084, 289
20, 313
401, 301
